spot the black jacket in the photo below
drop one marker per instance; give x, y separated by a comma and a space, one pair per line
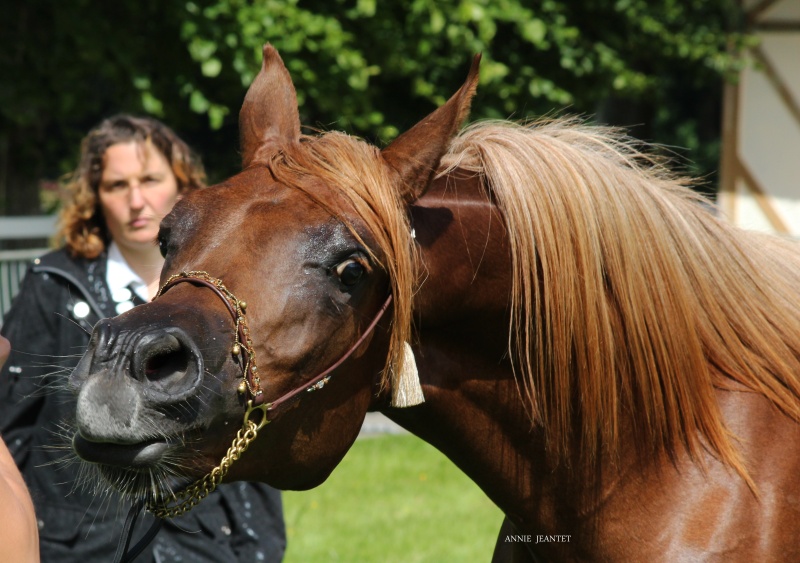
49, 325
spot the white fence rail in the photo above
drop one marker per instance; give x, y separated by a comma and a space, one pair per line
14, 263
33, 227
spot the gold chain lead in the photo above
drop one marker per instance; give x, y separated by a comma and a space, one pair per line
183, 501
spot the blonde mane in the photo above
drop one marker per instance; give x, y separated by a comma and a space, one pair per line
630, 298
630, 295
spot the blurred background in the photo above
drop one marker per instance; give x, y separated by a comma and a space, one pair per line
657, 67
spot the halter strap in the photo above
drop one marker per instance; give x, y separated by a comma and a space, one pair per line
183, 501
242, 338
278, 406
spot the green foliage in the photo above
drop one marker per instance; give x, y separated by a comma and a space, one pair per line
392, 498
370, 68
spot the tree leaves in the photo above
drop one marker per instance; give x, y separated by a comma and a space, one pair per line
370, 68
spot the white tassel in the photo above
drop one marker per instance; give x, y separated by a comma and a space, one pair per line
406, 390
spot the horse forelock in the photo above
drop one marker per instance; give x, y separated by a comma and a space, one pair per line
354, 171
629, 295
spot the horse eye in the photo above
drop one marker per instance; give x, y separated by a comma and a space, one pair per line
350, 272
162, 245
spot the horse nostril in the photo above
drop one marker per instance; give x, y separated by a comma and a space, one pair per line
167, 365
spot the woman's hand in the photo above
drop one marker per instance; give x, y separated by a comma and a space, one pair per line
19, 534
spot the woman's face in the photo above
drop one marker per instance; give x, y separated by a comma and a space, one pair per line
137, 189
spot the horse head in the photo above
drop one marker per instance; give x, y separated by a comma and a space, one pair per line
286, 295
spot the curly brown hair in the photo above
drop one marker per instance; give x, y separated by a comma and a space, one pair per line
82, 225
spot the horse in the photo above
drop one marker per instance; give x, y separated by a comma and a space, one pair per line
614, 365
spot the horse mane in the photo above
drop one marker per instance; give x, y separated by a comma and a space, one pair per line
630, 296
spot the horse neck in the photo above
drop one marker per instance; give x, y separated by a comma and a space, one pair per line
473, 410
464, 265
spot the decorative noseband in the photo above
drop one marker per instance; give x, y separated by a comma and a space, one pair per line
251, 382
186, 499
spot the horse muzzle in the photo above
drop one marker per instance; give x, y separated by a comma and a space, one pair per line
135, 389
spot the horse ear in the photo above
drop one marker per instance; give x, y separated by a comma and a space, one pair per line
269, 118
415, 155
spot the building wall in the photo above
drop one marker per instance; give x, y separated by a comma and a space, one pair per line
761, 137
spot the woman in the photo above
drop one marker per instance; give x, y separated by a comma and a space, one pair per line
131, 172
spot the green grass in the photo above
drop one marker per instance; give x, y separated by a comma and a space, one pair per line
393, 498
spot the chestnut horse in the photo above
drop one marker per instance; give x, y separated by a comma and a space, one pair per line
615, 366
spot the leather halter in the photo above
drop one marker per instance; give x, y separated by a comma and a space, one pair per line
185, 500
242, 338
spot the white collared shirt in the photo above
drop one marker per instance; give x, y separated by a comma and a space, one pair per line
120, 278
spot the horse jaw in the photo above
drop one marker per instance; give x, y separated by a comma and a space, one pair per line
269, 117
415, 155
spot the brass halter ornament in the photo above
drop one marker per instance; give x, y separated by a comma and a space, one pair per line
183, 501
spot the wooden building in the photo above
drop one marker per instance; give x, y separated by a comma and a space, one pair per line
760, 186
